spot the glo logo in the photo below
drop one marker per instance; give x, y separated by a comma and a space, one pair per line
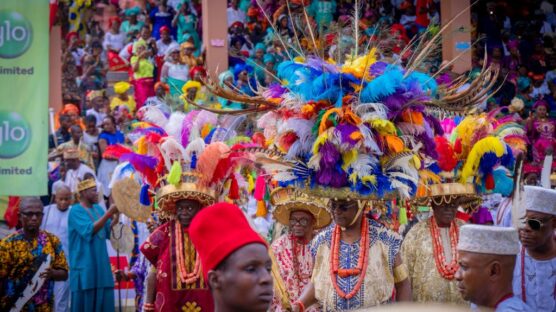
15, 135
16, 34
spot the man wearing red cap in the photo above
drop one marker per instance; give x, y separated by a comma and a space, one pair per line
180, 285
235, 259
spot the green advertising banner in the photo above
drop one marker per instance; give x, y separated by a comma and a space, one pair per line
24, 46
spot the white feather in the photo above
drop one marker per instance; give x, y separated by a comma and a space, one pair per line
369, 140
154, 115
174, 125
371, 111
196, 146
364, 165
171, 150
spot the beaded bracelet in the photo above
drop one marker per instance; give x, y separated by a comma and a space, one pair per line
300, 305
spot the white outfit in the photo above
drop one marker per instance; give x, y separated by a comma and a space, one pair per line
125, 53
539, 282
178, 71
163, 47
105, 170
235, 16
55, 221
100, 116
73, 177
115, 41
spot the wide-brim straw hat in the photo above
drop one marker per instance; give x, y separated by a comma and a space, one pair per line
440, 194
126, 197
188, 188
287, 200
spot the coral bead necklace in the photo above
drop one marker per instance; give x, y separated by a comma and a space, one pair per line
446, 270
183, 262
361, 267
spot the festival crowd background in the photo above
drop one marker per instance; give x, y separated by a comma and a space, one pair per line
122, 55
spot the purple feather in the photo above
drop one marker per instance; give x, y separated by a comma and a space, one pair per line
345, 130
394, 103
187, 124
434, 124
321, 65
378, 68
275, 90
429, 147
329, 155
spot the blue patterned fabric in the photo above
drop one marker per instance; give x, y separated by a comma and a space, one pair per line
349, 255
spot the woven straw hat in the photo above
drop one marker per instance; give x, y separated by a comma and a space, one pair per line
126, 196
287, 200
447, 193
189, 188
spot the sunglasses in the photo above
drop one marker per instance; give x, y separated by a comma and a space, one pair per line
302, 222
535, 224
30, 214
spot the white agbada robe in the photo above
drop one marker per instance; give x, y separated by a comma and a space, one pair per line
73, 177
539, 282
55, 221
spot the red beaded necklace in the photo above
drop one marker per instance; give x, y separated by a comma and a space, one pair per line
446, 270
183, 261
361, 268
298, 249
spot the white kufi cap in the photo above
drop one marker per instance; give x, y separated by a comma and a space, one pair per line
540, 199
487, 239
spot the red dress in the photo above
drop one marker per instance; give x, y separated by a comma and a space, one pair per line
171, 293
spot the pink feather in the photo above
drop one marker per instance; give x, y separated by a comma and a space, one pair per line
260, 188
208, 161
186, 127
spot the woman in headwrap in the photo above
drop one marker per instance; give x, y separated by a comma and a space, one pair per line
186, 21
226, 80
132, 24
73, 112
114, 41
244, 82
256, 61
187, 56
174, 72
143, 72
192, 93
541, 131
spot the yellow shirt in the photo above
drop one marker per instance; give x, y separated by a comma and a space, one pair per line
426, 283
146, 68
130, 103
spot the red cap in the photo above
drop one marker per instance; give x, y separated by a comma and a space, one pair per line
219, 230
164, 29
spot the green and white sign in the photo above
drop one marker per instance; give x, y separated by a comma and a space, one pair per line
24, 46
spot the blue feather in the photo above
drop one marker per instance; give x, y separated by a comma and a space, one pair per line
503, 184
144, 198
382, 86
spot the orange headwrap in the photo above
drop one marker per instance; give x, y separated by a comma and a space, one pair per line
163, 85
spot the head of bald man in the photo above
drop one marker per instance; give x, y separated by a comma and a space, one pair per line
30, 215
482, 276
63, 198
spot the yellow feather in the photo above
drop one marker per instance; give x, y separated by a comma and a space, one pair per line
348, 158
319, 141
486, 145
142, 146
369, 179
358, 66
383, 126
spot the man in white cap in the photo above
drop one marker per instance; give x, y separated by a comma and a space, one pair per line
535, 270
486, 262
